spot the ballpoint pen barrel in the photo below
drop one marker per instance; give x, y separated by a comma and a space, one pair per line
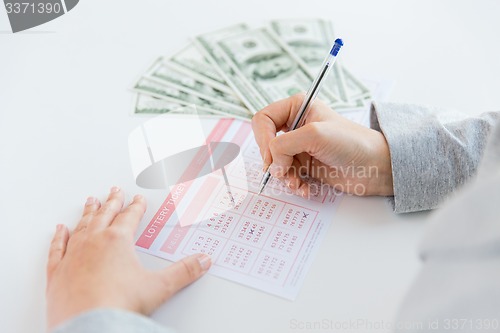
309, 98
313, 92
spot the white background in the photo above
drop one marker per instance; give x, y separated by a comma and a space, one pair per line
65, 118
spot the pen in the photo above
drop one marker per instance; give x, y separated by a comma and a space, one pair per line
309, 98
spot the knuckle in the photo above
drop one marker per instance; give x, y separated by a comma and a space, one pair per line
258, 119
55, 252
131, 213
298, 97
314, 129
86, 219
108, 208
135, 209
114, 234
168, 288
190, 270
88, 213
105, 210
55, 241
275, 145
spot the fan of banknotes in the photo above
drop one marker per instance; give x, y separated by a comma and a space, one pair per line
236, 71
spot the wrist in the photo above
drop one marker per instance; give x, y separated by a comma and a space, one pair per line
381, 182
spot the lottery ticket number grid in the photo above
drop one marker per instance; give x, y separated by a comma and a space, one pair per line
263, 241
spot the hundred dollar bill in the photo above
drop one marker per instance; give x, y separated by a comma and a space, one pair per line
309, 40
191, 62
145, 104
207, 45
259, 59
306, 38
171, 94
164, 72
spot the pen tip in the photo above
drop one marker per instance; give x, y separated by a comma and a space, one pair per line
261, 189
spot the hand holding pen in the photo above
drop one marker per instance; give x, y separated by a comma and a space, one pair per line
309, 98
322, 145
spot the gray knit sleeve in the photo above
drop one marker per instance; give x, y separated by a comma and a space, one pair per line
433, 151
110, 321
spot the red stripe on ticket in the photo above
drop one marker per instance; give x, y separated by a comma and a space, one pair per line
175, 196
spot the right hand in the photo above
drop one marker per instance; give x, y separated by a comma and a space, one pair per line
348, 156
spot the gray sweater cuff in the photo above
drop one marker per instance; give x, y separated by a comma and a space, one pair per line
110, 321
432, 151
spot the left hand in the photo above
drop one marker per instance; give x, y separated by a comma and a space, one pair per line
97, 267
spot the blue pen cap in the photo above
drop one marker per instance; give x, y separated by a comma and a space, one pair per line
336, 47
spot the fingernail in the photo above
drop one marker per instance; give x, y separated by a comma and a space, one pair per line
115, 189
302, 193
59, 227
205, 262
288, 183
90, 201
138, 197
275, 170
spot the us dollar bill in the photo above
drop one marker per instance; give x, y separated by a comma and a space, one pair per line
260, 60
207, 45
149, 87
145, 104
356, 90
309, 40
306, 38
192, 63
165, 72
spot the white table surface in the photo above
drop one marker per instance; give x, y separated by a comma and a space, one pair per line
64, 122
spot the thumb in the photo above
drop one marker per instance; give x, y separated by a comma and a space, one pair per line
284, 147
184, 272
